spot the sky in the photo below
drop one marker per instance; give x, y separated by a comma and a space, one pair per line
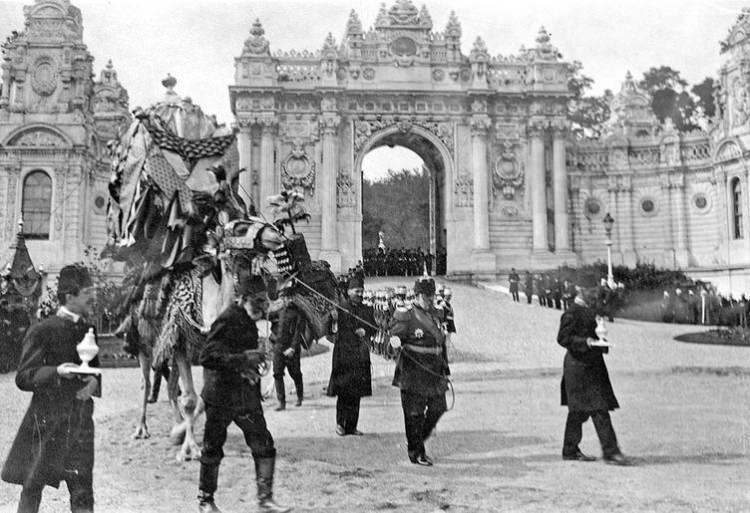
197, 40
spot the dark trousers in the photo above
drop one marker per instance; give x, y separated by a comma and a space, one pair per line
421, 415
347, 412
253, 426
528, 296
602, 423
79, 487
293, 367
514, 295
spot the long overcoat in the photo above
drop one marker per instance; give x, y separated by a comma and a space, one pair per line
56, 437
350, 369
585, 384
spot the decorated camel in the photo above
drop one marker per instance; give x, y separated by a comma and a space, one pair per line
177, 218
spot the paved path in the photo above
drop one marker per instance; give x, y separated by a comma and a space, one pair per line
685, 417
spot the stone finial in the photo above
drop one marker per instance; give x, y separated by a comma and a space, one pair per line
108, 75
382, 20
480, 47
542, 37
256, 44
354, 25
425, 20
544, 49
453, 28
330, 43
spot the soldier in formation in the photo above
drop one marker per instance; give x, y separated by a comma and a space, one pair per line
514, 281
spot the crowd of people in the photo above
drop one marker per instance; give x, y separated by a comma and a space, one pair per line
702, 304
381, 261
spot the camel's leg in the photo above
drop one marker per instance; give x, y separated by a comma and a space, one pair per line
189, 403
141, 430
177, 434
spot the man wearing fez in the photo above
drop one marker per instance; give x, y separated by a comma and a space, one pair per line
585, 388
421, 368
56, 439
231, 392
287, 337
350, 370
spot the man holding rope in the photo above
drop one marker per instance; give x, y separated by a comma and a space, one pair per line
421, 368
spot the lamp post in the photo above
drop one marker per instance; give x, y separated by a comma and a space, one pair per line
609, 222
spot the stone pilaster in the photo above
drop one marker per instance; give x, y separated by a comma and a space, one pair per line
560, 188
329, 124
722, 209
479, 126
668, 216
267, 170
538, 188
245, 148
627, 231
682, 253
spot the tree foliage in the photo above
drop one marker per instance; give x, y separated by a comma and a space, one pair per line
587, 114
399, 207
671, 99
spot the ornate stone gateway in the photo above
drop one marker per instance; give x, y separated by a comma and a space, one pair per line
490, 130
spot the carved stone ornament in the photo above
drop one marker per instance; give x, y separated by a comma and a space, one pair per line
345, 197
364, 130
44, 76
464, 191
438, 75
297, 170
257, 44
368, 73
38, 138
508, 175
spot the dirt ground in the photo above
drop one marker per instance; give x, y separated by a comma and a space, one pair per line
685, 419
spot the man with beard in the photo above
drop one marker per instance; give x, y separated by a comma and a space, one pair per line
231, 392
56, 439
585, 388
350, 370
421, 368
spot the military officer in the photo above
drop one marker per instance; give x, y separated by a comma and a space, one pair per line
421, 368
585, 388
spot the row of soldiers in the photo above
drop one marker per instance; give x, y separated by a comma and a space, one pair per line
704, 305
403, 262
554, 291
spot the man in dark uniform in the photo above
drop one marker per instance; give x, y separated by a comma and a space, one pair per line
287, 337
350, 369
528, 286
514, 279
56, 439
421, 368
539, 285
231, 392
586, 389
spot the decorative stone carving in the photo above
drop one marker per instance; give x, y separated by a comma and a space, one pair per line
329, 124
298, 129
464, 191
38, 138
12, 193
438, 75
60, 178
44, 76
257, 44
364, 129
297, 170
368, 73
345, 196
510, 211
509, 174
728, 151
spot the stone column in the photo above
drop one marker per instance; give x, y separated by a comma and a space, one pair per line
329, 124
678, 200
745, 184
668, 216
479, 126
267, 168
245, 148
612, 209
627, 232
560, 188
722, 211
538, 190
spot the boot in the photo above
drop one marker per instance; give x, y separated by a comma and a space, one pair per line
264, 468
207, 482
29, 501
300, 393
280, 394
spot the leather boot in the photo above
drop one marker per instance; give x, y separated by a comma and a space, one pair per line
264, 468
300, 393
207, 483
280, 393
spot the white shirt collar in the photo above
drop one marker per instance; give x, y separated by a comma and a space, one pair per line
67, 314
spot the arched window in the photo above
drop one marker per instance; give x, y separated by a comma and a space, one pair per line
36, 205
737, 209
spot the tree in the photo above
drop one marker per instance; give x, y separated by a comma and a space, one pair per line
705, 93
587, 114
669, 97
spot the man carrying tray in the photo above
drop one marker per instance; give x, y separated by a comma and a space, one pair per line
586, 389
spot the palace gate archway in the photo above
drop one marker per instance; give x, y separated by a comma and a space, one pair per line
493, 128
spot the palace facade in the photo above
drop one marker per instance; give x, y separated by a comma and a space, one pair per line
512, 186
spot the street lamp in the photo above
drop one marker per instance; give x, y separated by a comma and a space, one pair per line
609, 222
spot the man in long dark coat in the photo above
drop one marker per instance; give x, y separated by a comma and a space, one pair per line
421, 368
231, 391
585, 388
350, 372
287, 337
56, 439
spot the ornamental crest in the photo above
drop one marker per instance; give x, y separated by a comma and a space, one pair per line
508, 175
44, 76
297, 169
